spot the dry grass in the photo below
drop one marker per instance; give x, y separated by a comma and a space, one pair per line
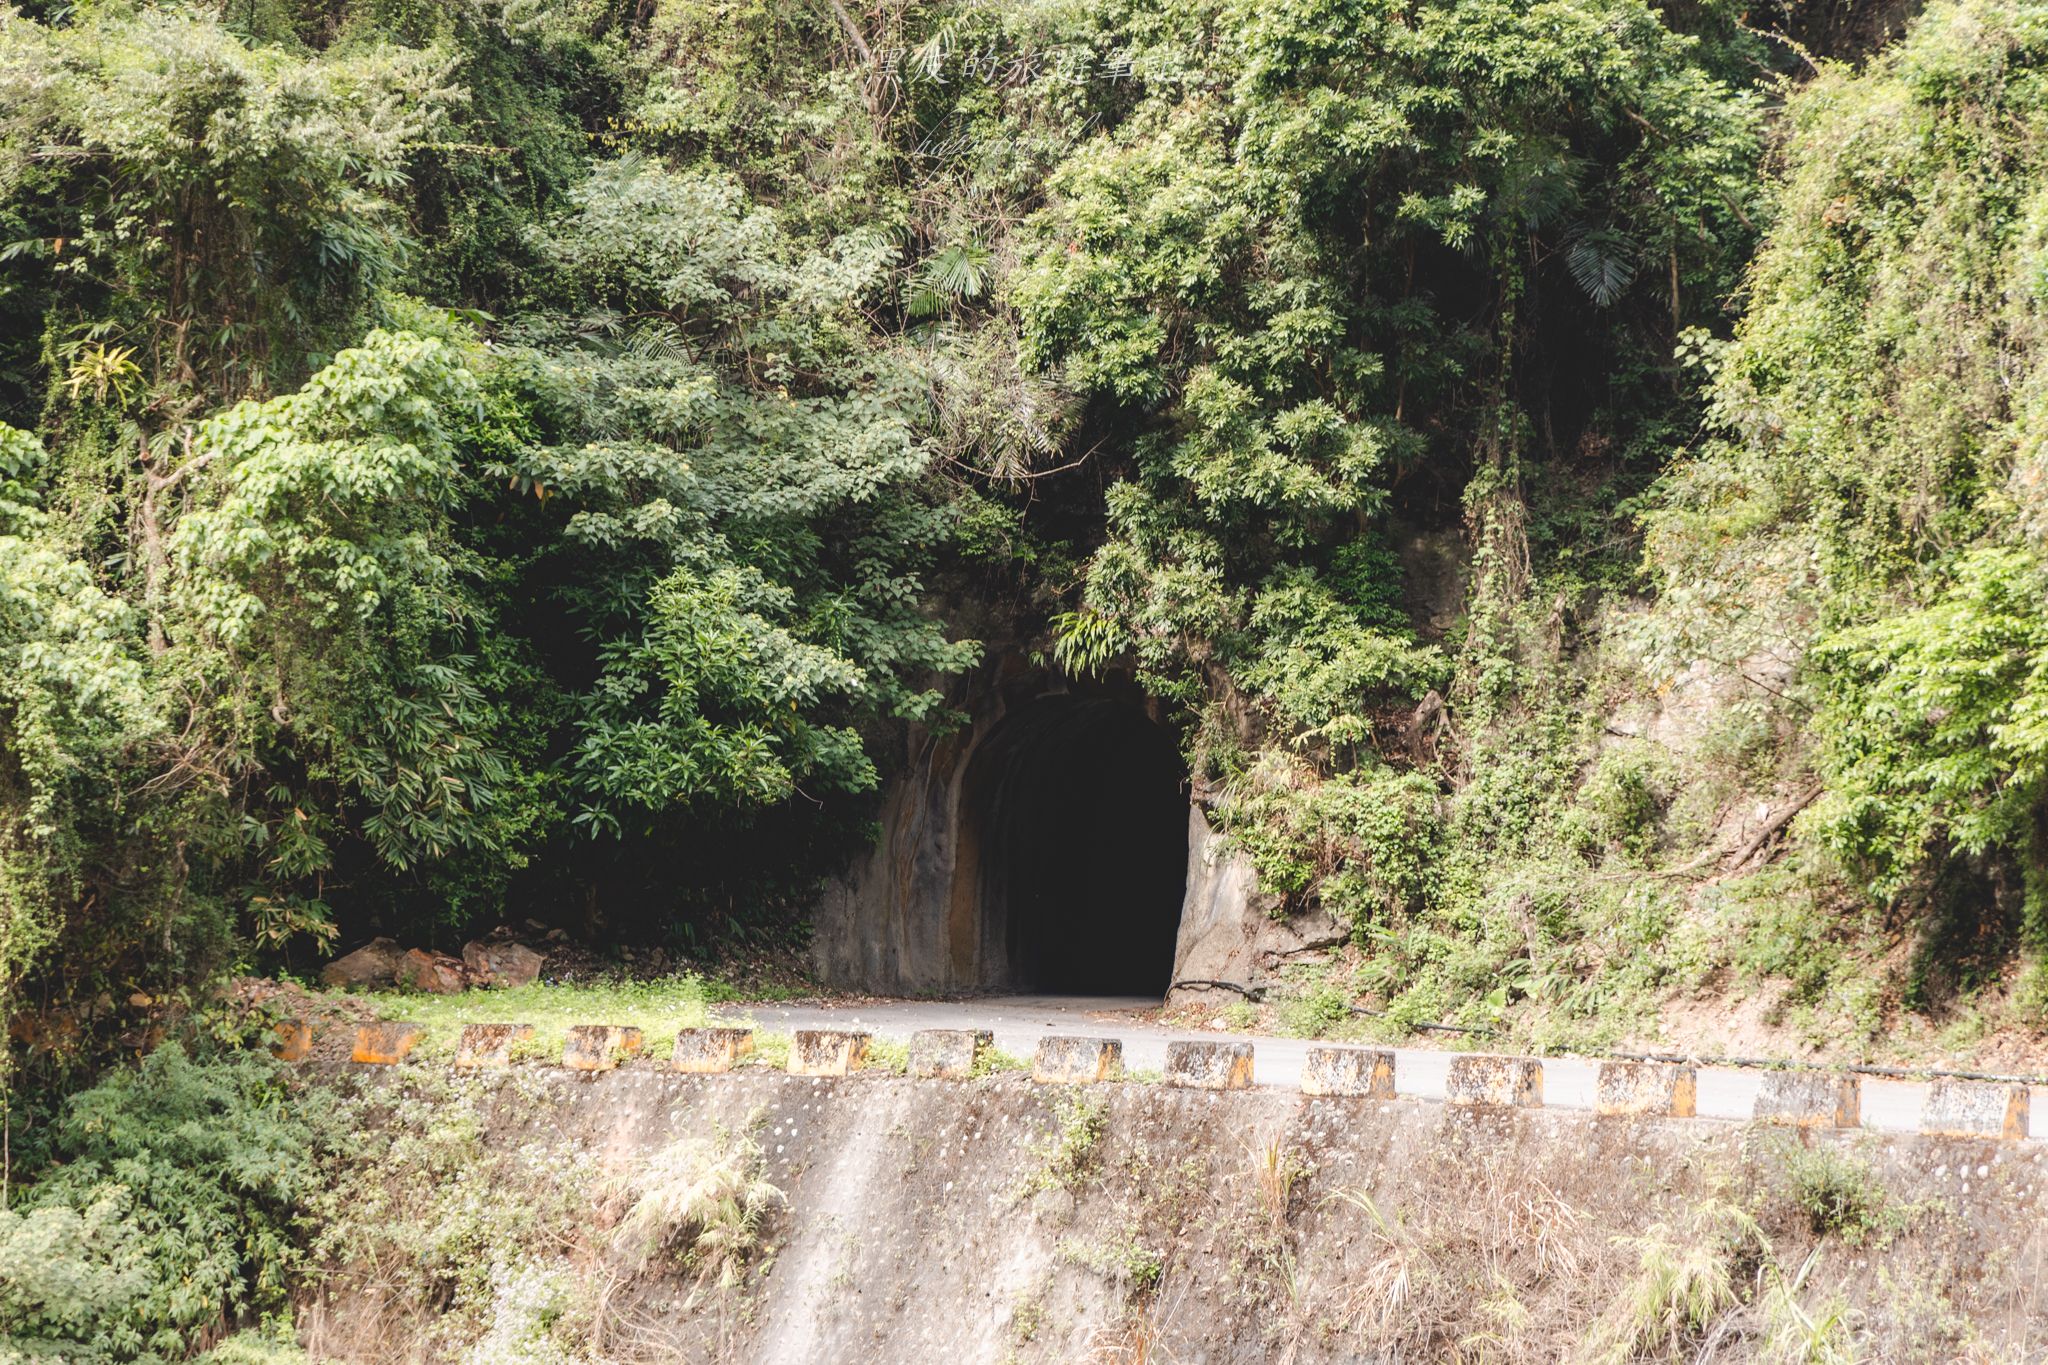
1805, 1334
1469, 1269
1276, 1170
1685, 1277
699, 1200
1133, 1341
1379, 1298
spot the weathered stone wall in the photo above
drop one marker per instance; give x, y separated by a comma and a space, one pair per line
891, 922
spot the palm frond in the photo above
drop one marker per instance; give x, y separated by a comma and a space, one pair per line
1602, 262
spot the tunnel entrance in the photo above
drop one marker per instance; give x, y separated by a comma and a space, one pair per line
1078, 818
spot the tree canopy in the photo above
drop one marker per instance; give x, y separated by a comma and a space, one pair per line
467, 462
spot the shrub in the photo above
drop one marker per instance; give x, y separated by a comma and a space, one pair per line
69, 1276
1837, 1192
1625, 795
167, 1214
272, 1344
1685, 1276
1320, 1008
532, 1311
1067, 1154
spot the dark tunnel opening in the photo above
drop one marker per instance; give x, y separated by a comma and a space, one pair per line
1081, 837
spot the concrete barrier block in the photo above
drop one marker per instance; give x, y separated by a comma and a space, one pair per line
1993, 1109
1364, 1071
1671, 1089
1077, 1061
489, 1044
1481, 1079
710, 1050
599, 1047
384, 1044
948, 1053
1810, 1099
1209, 1066
826, 1052
291, 1040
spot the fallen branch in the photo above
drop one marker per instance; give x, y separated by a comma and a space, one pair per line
1774, 824
1742, 855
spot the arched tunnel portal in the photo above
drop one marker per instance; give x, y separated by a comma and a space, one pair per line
1074, 850
1055, 846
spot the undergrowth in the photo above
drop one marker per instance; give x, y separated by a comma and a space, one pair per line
1065, 1156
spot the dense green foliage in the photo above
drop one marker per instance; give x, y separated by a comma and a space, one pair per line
1337, 251
1871, 502
168, 1210
470, 462
1355, 273
741, 478
467, 462
332, 607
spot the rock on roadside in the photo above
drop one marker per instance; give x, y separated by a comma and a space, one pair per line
502, 964
373, 966
434, 973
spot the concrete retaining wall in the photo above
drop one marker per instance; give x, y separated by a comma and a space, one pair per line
928, 1221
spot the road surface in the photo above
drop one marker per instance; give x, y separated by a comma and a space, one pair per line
1019, 1021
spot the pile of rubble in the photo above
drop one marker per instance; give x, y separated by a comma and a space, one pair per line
499, 959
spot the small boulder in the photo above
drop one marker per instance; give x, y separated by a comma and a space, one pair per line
373, 966
502, 964
434, 973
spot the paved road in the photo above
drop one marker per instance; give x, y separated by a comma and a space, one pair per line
1018, 1022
